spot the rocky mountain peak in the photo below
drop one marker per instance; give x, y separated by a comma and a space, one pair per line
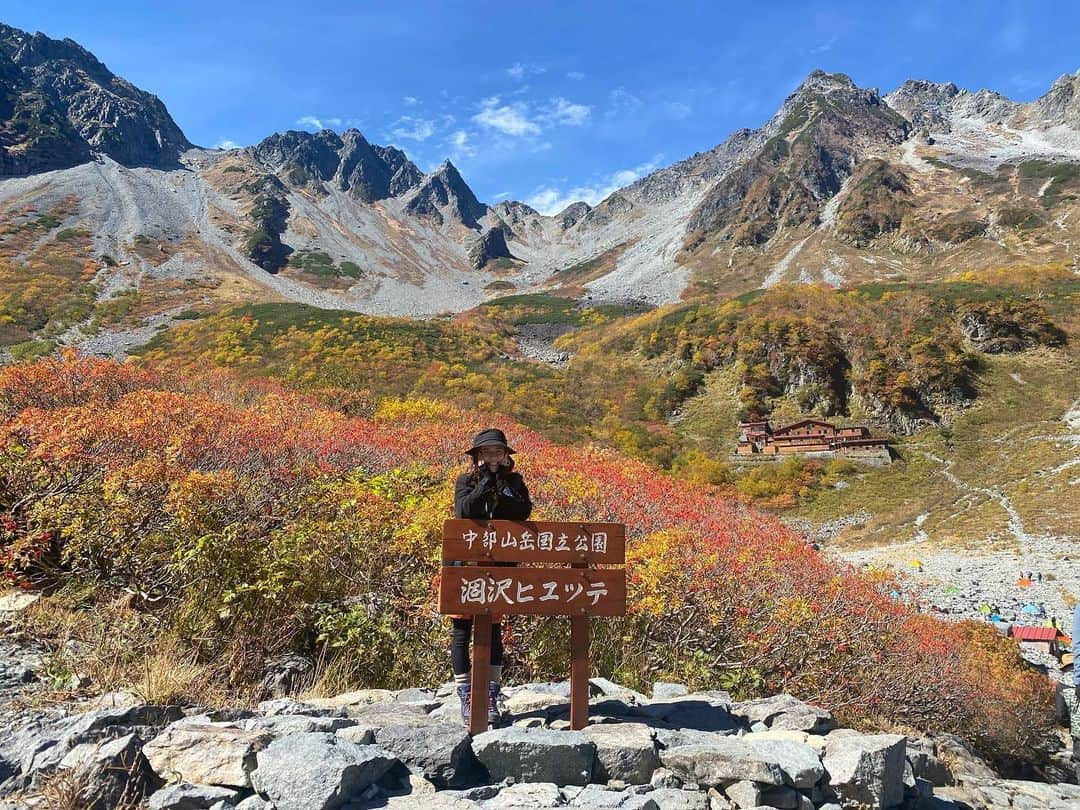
60, 104
443, 195
1061, 104
348, 161
818, 81
925, 104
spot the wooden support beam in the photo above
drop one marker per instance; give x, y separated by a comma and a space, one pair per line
481, 661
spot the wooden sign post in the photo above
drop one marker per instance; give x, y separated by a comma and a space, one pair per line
477, 581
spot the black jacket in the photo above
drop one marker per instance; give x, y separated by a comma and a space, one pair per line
482, 496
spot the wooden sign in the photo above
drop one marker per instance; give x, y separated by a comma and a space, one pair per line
578, 591
536, 591
533, 541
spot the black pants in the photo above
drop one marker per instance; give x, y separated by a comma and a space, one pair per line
459, 645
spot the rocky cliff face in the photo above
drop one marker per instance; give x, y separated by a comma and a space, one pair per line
62, 105
346, 162
827, 125
445, 196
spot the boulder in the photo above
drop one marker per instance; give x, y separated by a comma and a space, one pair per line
922, 756
675, 799
346, 700
786, 712
113, 771
526, 795
536, 755
675, 737
441, 753
314, 771
287, 705
278, 725
206, 754
17, 601
624, 751
866, 769
744, 794
529, 702
692, 712
799, 762
610, 689
187, 796
721, 763
773, 734
663, 690
598, 796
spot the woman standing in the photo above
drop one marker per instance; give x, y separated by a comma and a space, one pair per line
490, 490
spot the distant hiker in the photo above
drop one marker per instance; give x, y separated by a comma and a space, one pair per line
489, 490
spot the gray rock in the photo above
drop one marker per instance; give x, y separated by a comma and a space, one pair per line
314, 771
675, 737
866, 769
673, 799
526, 795
610, 689
188, 796
113, 771
536, 755
624, 751
255, 802
279, 725
800, 763
288, 706
663, 778
696, 712
922, 755
525, 702
782, 797
597, 796
744, 794
725, 761
440, 753
662, 690
205, 754
786, 712
358, 734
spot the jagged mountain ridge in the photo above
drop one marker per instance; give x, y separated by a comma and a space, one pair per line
841, 185
60, 105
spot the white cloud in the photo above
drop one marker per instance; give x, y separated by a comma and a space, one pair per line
549, 200
569, 113
411, 128
622, 102
313, 122
519, 71
825, 46
576, 75
460, 145
502, 195
225, 143
510, 119
409, 101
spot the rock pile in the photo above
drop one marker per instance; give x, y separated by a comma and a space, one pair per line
407, 749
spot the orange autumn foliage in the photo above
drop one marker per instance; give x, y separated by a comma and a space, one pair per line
254, 520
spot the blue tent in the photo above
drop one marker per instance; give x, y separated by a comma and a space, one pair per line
1030, 608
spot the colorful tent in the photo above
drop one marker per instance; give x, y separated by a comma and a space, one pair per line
915, 563
1030, 609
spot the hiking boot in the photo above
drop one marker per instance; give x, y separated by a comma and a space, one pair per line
463, 695
494, 709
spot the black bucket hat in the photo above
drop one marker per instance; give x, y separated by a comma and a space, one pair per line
489, 437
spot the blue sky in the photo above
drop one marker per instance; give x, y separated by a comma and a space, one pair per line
542, 101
